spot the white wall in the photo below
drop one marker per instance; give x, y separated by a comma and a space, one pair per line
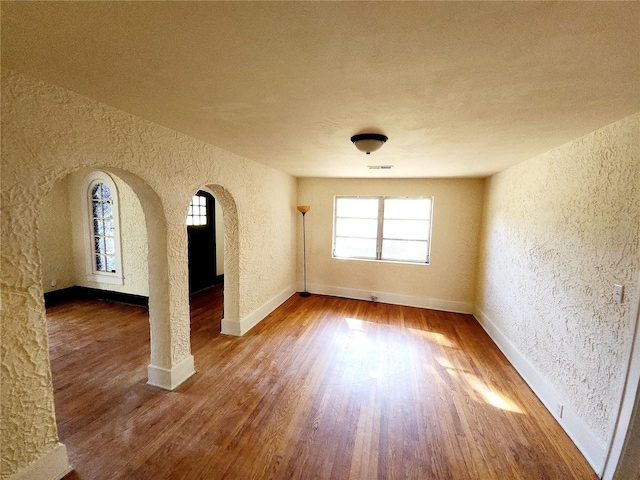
448, 283
559, 231
55, 239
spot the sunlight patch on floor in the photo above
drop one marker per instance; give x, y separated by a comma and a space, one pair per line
445, 363
435, 337
491, 397
482, 393
354, 323
379, 360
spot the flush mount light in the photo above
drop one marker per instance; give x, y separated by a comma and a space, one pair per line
368, 142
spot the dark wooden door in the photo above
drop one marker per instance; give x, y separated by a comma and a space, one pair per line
202, 242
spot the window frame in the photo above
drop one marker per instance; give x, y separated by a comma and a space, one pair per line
380, 233
199, 216
93, 274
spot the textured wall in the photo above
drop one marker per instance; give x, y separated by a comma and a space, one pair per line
49, 132
455, 232
55, 239
559, 230
133, 234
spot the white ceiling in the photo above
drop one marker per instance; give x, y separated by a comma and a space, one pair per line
460, 88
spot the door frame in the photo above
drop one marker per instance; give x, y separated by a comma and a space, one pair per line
627, 424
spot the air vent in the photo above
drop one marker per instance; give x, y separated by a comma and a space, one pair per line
380, 167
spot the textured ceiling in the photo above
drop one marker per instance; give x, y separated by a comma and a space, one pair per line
460, 88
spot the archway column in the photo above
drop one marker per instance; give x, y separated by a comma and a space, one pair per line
171, 361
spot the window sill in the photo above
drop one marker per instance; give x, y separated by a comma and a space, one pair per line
104, 278
373, 260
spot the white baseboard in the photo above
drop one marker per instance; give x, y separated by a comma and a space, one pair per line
593, 449
170, 379
53, 465
394, 299
246, 323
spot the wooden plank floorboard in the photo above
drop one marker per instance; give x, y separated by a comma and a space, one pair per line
323, 388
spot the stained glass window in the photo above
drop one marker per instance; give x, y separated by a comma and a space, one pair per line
103, 228
197, 214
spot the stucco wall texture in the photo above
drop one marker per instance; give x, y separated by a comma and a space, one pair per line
559, 231
48, 133
55, 239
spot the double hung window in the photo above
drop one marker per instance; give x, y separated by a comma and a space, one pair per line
394, 229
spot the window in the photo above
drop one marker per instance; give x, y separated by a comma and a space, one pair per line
197, 214
102, 228
103, 252
383, 228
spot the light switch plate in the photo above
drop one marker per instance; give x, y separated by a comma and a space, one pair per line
618, 292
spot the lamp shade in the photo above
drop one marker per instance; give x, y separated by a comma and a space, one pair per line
303, 208
369, 142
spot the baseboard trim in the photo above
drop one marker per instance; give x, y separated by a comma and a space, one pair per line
85, 293
593, 449
170, 379
394, 299
53, 465
239, 328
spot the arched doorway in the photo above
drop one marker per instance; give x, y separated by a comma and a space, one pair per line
80, 239
205, 236
168, 367
227, 254
91, 350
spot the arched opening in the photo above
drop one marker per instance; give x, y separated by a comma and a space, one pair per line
205, 242
205, 246
223, 247
99, 349
165, 289
166, 369
80, 238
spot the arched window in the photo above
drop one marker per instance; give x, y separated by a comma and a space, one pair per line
103, 248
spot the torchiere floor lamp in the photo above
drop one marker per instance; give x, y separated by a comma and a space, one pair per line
304, 209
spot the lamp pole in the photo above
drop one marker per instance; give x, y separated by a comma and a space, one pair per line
303, 209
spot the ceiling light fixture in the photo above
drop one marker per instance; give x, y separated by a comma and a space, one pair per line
368, 142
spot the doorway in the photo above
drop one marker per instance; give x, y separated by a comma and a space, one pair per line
201, 235
226, 245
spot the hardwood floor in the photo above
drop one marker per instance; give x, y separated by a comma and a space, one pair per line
322, 388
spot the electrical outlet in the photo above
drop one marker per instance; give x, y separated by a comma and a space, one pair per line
54, 282
560, 409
